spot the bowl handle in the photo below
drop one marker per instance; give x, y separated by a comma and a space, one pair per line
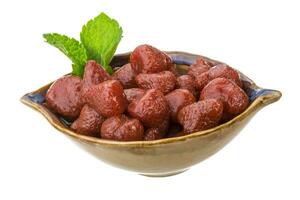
268, 96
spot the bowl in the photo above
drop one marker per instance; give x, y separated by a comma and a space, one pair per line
167, 156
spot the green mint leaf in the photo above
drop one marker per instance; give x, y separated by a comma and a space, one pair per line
101, 36
71, 48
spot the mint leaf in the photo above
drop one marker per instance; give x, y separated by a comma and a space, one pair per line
101, 36
71, 48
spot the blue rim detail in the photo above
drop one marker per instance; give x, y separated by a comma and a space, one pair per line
183, 60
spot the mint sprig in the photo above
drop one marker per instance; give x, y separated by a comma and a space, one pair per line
71, 48
101, 36
99, 40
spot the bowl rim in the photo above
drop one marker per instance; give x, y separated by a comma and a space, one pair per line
260, 101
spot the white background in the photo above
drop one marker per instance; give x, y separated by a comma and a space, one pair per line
260, 38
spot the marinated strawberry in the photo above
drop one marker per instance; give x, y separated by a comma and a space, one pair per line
126, 75
88, 123
199, 67
201, 115
218, 71
224, 71
158, 132
134, 93
151, 109
234, 99
107, 98
178, 99
122, 128
63, 97
187, 82
93, 75
164, 81
148, 59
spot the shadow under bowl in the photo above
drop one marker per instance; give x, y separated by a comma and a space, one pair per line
168, 156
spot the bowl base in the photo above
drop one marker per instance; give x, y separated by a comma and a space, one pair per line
157, 175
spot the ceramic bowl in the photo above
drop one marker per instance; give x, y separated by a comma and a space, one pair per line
167, 156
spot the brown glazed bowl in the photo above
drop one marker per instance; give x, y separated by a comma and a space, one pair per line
167, 156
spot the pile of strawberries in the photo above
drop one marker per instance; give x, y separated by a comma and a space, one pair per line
143, 99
